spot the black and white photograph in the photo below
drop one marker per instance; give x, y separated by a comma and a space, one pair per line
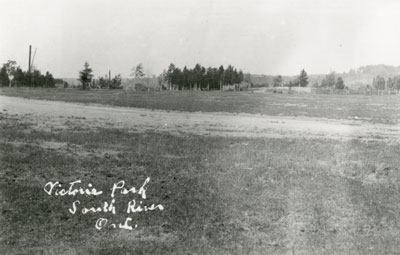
199, 127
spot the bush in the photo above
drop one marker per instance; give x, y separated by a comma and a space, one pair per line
106, 83
140, 87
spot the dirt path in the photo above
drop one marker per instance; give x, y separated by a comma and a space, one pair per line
57, 114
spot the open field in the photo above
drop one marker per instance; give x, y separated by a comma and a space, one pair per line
377, 109
49, 115
249, 183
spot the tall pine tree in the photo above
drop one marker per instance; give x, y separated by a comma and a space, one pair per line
85, 76
303, 79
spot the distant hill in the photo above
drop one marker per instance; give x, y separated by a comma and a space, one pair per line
365, 74
71, 81
374, 70
353, 79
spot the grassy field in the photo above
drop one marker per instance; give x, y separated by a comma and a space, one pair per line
372, 108
222, 195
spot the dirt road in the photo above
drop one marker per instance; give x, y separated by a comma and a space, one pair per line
54, 114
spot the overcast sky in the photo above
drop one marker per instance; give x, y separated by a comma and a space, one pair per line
260, 36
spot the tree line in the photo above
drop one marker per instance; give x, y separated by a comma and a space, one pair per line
389, 85
201, 78
175, 78
330, 81
13, 75
105, 82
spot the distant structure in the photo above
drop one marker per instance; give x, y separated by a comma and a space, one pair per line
142, 84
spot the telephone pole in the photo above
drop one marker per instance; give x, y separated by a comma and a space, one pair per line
29, 63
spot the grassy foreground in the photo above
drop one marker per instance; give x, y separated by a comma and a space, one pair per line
221, 195
372, 108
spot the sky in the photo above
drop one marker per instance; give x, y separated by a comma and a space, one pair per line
258, 36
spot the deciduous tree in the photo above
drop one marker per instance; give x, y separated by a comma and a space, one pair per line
277, 81
329, 81
379, 83
10, 67
4, 79
138, 71
339, 83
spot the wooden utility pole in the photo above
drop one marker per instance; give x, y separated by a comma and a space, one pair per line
29, 63
109, 74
